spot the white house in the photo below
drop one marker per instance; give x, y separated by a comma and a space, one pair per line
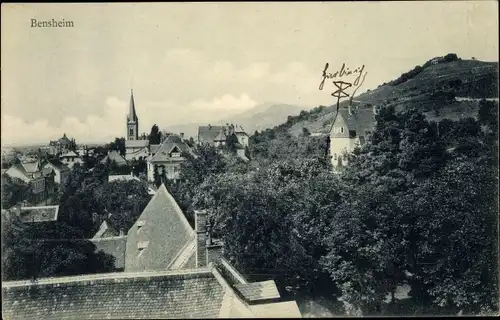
351, 128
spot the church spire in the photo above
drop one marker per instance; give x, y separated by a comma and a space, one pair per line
132, 116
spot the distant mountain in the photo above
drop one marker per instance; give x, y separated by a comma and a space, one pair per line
258, 118
443, 87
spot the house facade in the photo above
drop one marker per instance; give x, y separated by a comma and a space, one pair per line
61, 171
217, 135
351, 128
70, 158
167, 158
40, 180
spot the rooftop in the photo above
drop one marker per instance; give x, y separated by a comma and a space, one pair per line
164, 225
192, 293
114, 246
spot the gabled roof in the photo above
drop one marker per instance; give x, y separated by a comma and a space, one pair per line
30, 166
163, 153
114, 246
136, 143
39, 214
70, 153
64, 139
221, 136
113, 155
207, 134
58, 165
105, 230
359, 121
164, 225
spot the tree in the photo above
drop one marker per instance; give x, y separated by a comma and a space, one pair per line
156, 176
232, 142
14, 190
270, 220
205, 161
31, 251
118, 145
401, 219
155, 135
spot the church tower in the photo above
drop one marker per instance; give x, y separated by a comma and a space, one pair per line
132, 120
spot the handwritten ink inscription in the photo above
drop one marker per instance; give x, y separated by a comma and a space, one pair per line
342, 72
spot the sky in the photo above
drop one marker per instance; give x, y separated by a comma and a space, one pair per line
196, 62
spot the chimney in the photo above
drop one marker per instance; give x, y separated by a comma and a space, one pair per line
181, 135
201, 245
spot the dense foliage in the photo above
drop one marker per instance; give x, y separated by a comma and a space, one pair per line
31, 251
416, 206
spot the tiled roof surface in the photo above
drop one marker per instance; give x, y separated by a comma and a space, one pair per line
136, 143
165, 227
57, 164
207, 134
70, 154
30, 167
114, 246
39, 214
360, 120
181, 294
113, 155
256, 291
105, 230
163, 152
154, 148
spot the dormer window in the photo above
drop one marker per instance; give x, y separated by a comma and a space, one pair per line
140, 224
141, 246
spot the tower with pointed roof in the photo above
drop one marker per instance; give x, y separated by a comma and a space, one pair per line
132, 120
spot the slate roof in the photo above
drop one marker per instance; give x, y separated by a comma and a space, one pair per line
105, 230
158, 295
207, 134
114, 155
258, 291
69, 154
136, 143
114, 246
193, 293
154, 148
164, 225
58, 165
359, 121
39, 214
30, 167
163, 152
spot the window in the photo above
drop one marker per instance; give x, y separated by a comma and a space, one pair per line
131, 131
140, 224
141, 246
175, 154
341, 129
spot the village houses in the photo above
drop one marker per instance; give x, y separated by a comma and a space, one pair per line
170, 270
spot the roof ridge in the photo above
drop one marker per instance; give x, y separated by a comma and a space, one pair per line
177, 209
105, 276
109, 238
